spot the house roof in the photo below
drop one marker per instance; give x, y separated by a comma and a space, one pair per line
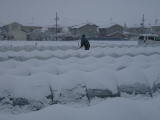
14, 23
110, 26
154, 35
114, 33
157, 27
116, 25
84, 24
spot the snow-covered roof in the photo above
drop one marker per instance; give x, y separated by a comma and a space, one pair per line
14, 23
83, 24
154, 35
109, 25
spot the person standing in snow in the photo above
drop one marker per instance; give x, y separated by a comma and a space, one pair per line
85, 43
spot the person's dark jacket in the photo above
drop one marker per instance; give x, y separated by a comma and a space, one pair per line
85, 43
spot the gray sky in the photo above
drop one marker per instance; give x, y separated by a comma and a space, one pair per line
71, 12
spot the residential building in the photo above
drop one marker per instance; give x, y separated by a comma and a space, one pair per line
29, 29
90, 30
103, 32
156, 29
53, 29
13, 31
117, 36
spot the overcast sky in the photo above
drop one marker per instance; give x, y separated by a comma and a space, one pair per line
71, 12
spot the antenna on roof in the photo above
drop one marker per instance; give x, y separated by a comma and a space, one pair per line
111, 21
32, 21
156, 21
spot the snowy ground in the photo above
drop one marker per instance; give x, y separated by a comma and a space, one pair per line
34, 75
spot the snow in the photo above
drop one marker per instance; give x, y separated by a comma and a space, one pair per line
33, 71
113, 109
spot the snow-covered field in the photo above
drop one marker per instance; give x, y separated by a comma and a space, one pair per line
106, 82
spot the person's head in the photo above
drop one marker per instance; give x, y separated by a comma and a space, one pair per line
83, 36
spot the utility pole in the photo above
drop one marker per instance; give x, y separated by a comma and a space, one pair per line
142, 24
56, 19
143, 20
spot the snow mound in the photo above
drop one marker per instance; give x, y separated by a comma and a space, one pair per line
117, 109
61, 73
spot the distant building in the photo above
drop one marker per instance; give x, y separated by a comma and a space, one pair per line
90, 30
135, 30
116, 36
29, 29
1, 35
13, 31
36, 35
156, 29
52, 29
50, 32
16, 31
139, 30
103, 32
115, 28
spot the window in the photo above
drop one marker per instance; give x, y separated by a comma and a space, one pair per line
141, 37
151, 38
157, 38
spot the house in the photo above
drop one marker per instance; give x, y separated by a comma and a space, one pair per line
53, 29
115, 28
16, 31
103, 32
90, 30
36, 35
29, 29
156, 29
1, 35
139, 30
13, 31
117, 36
